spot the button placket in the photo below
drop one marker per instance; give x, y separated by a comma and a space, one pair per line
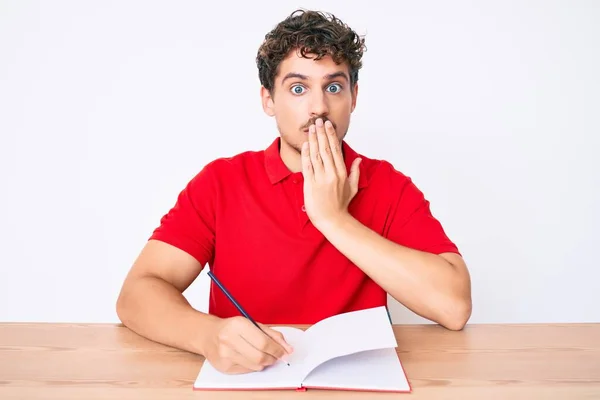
299, 194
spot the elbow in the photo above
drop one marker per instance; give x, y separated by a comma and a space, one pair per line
456, 318
122, 307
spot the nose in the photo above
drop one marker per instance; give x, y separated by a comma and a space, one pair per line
318, 105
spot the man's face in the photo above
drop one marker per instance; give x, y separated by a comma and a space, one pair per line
305, 90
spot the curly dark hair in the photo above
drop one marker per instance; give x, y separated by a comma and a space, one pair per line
309, 32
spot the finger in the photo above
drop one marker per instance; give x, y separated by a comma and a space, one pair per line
324, 148
354, 175
233, 361
242, 364
315, 156
278, 337
307, 168
237, 369
262, 342
251, 357
336, 149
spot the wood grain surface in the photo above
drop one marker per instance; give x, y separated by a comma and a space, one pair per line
97, 361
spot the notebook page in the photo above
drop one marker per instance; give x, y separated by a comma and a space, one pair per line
277, 376
348, 333
370, 370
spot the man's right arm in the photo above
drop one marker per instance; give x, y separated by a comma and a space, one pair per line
151, 303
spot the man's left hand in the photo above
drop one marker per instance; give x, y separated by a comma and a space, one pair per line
328, 189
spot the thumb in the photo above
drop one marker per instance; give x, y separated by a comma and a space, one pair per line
354, 174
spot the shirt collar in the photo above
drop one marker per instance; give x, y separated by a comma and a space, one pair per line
277, 170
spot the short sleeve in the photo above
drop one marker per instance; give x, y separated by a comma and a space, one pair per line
190, 224
411, 222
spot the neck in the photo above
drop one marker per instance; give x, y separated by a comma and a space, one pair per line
290, 157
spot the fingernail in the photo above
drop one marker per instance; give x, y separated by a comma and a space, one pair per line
319, 122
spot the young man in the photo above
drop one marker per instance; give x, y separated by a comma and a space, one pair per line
298, 232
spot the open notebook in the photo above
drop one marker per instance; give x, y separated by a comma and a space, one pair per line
350, 351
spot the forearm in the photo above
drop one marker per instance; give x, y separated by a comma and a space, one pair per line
425, 283
156, 310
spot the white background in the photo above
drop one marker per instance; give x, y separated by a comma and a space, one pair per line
107, 109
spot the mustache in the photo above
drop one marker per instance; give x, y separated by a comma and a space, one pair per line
313, 121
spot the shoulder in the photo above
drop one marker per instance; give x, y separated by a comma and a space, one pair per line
383, 173
386, 181
230, 167
236, 162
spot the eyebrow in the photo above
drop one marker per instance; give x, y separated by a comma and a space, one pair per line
339, 74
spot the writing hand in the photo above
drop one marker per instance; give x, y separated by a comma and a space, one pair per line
236, 346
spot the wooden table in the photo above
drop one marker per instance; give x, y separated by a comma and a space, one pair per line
89, 361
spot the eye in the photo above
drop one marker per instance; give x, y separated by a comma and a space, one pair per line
335, 88
297, 89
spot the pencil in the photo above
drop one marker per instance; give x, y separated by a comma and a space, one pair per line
236, 304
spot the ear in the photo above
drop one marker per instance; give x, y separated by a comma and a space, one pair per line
267, 101
354, 95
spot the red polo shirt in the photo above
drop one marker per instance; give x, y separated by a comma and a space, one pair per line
244, 217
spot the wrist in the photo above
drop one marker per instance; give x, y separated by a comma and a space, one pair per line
202, 331
335, 224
